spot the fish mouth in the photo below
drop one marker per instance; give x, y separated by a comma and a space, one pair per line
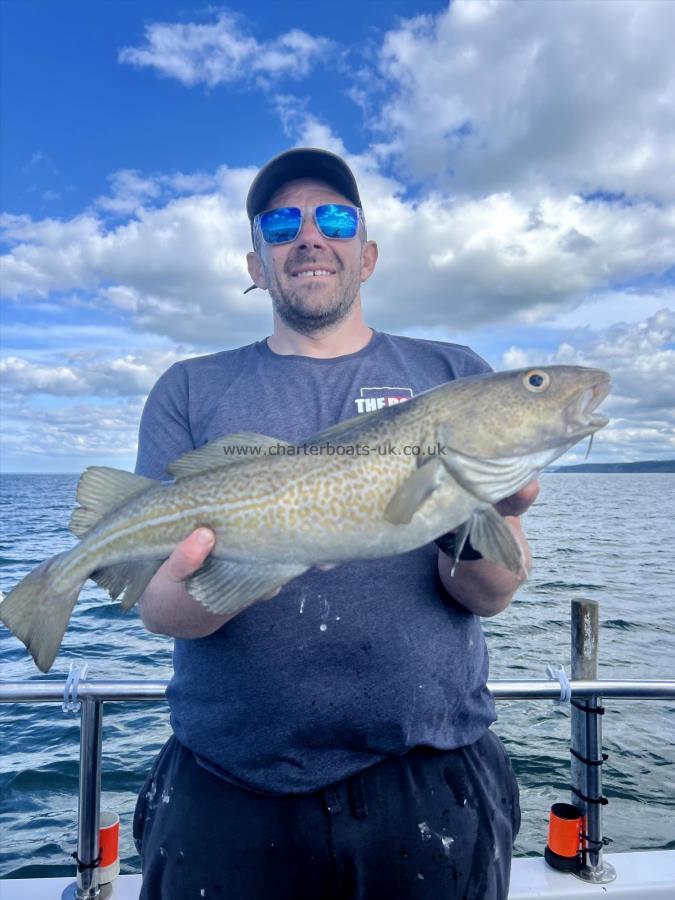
581, 418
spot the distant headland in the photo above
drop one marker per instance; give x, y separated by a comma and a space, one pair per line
647, 465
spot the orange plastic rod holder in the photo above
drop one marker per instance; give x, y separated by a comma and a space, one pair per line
563, 850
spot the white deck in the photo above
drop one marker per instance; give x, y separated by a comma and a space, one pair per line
645, 875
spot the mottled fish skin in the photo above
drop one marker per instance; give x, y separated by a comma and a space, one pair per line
276, 515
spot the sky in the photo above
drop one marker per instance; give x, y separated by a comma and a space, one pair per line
515, 159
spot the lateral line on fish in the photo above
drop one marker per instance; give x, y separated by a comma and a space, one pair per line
102, 541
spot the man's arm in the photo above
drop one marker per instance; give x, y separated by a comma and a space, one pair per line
480, 585
165, 434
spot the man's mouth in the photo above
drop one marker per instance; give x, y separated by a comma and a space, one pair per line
313, 273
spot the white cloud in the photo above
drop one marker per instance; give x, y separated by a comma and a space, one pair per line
47, 438
222, 53
629, 305
131, 191
178, 266
86, 373
40, 161
481, 261
488, 96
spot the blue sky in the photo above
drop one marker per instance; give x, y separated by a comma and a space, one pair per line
515, 163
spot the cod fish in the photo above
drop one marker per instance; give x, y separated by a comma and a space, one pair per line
379, 484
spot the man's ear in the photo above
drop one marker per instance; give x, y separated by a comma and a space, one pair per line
369, 255
256, 270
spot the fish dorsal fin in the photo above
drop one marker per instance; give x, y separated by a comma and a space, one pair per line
102, 490
414, 491
337, 431
225, 586
226, 451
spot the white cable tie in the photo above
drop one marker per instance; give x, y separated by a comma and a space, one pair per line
557, 673
71, 703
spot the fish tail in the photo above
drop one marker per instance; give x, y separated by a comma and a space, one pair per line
38, 609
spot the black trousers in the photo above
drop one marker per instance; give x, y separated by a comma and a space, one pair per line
430, 825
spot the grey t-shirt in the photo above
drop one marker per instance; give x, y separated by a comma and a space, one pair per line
343, 667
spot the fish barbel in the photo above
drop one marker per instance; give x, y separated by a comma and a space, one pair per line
379, 484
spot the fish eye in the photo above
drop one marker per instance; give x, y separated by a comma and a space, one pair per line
536, 380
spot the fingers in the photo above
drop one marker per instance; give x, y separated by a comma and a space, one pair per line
530, 492
519, 502
190, 554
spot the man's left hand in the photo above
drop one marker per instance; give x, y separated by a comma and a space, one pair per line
519, 502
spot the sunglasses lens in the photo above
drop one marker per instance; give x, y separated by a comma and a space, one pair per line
337, 221
279, 226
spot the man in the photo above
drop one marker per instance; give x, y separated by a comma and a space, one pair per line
332, 742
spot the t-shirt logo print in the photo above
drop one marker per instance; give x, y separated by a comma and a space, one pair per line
373, 398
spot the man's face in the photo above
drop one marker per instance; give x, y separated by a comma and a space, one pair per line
311, 303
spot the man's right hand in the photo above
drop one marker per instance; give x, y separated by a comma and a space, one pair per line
166, 607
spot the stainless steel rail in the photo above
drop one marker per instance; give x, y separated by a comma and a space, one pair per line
521, 689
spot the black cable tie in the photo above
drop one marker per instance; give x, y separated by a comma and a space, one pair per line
602, 843
589, 762
603, 801
82, 867
596, 710
590, 840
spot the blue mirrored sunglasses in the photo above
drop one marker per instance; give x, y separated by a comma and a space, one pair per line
335, 221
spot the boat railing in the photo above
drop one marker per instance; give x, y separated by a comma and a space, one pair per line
584, 691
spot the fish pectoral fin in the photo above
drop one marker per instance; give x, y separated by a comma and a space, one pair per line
492, 537
414, 491
225, 451
132, 578
102, 490
224, 586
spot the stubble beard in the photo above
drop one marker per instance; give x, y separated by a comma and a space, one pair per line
305, 314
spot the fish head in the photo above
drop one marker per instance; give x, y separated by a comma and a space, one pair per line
523, 411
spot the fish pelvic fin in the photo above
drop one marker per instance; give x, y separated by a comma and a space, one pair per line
38, 609
492, 537
102, 490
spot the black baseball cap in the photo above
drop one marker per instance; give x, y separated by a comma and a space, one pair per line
302, 162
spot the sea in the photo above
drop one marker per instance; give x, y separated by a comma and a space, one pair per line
605, 537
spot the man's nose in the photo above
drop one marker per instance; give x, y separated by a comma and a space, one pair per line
309, 235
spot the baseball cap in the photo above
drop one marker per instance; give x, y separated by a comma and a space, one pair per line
301, 162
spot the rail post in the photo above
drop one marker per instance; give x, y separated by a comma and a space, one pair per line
586, 742
88, 814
